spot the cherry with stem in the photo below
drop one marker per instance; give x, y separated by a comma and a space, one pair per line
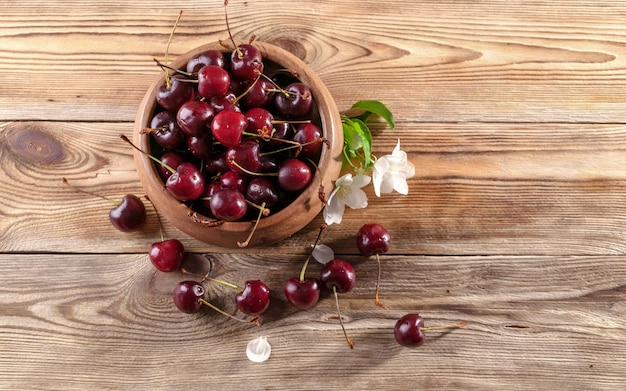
340, 277
127, 215
252, 299
374, 239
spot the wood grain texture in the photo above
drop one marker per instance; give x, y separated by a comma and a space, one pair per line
512, 112
443, 61
111, 321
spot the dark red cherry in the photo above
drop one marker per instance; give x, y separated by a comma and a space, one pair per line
129, 215
173, 96
302, 294
245, 158
187, 183
259, 93
259, 122
165, 130
254, 299
194, 117
296, 103
187, 296
233, 180
208, 57
224, 102
408, 330
213, 81
228, 205
228, 126
294, 175
246, 62
373, 239
167, 255
216, 164
262, 190
172, 159
200, 146
340, 274
310, 135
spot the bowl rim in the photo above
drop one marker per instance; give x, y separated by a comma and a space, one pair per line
282, 224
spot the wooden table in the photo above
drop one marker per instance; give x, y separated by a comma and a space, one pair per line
513, 113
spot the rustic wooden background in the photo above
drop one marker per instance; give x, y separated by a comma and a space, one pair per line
513, 113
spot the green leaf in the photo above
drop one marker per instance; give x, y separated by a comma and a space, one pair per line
375, 107
357, 138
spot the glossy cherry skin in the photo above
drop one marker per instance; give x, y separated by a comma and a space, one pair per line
165, 130
167, 255
297, 103
208, 57
213, 81
302, 294
233, 180
373, 239
228, 205
227, 127
408, 330
194, 117
254, 299
187, 183
309, 134
172, 97
245, 157
246, 62
187, 295
262, 190
173, 160
340, 274
294, 175
129, 215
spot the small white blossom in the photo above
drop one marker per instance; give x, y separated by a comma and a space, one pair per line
323, 254
258, 350
390, 172
347, 192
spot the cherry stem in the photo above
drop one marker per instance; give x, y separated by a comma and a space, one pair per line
254, 320
306, 262
262, 212
350, 343
170, 169
245, 170
239, 53
237, 99
165, 66
294, 145
459, 325
207, 278
168, 82
376, 300
76, 189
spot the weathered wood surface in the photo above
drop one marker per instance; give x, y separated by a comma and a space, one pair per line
512, 112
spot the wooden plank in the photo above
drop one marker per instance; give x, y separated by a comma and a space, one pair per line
478, 189
444, 61
532, 323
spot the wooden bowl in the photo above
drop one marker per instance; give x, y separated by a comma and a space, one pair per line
276, 226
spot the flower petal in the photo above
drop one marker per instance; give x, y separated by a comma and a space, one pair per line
356, 199
333, 211
323, 254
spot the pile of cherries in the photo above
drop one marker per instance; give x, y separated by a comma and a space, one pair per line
237, 136
338, 276
233, 132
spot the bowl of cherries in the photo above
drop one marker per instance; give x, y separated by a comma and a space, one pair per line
235, 146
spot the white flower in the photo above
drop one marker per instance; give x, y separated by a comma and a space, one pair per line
391, 172
323, 254
347, 192
258, 350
